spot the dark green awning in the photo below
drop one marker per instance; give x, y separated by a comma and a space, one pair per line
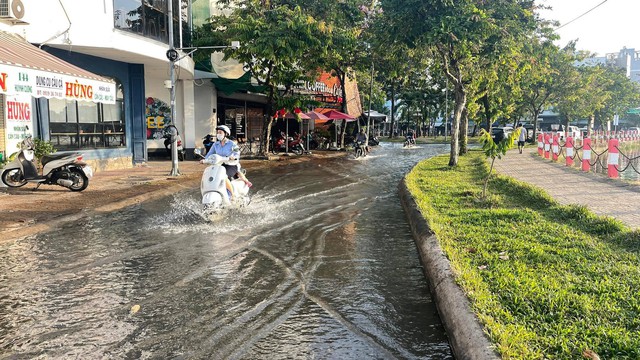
241, 84
230, 86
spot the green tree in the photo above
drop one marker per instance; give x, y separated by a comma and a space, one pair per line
458, 33
495, 150
281, 44
581, 95
347, 23
548, 71
622, 94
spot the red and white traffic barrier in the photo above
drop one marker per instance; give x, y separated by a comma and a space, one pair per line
540, 144
586, 155
556, 147
612, 159
547, 145
569, 156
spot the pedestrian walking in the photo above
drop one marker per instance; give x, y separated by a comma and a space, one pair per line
522, 137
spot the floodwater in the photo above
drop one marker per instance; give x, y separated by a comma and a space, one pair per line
320, 265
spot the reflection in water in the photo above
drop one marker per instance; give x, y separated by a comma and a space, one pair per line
321, 264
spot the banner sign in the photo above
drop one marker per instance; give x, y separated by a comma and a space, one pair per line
17, 115
17, 80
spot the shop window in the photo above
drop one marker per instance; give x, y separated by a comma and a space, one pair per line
85, 125
150, 18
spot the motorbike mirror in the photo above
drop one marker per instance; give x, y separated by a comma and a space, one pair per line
198, 152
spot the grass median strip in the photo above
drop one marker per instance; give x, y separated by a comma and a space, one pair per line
548, 281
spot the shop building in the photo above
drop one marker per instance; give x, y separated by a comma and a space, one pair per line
124, 41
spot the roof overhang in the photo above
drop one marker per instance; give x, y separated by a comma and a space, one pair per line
29, 70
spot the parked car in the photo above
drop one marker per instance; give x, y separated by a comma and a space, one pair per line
500, 132
572, 131
529, 128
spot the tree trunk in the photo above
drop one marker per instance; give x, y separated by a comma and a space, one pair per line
393, 109
266, 125
266, 134
536, 112
343, 129
486, 181
461, 101
342, 75
487, 112
592, 125
464, 125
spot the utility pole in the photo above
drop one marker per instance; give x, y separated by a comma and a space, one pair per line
370, 98
172, 55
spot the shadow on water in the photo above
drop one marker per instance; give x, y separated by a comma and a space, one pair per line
320, 264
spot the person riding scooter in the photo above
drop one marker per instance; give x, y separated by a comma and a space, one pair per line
410, 139
227, 148
361, 138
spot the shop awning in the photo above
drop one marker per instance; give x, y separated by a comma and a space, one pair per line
26, 69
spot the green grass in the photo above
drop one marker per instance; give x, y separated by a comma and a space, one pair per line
548, 281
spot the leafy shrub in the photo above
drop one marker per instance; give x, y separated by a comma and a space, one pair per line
43, 147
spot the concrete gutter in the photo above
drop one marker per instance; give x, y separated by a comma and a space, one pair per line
466, 336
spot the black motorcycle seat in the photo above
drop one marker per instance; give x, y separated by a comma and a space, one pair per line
48, 158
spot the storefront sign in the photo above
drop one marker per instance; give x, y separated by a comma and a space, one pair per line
321, 87
240, 125
18, 121
158, 115
37, 83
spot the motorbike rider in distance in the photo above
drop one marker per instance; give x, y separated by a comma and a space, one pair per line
361, 138
410, 138
227, 148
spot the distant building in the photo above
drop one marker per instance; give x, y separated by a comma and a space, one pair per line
628, 59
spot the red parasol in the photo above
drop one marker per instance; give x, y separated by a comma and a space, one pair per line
337, 115
293, 116
316, 115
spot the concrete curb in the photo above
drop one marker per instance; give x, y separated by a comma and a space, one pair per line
466, 336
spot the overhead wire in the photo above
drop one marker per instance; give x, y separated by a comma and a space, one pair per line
588, 11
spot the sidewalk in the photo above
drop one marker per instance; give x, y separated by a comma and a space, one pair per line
609, 197
25, 212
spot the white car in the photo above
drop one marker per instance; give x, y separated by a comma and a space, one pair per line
572, 131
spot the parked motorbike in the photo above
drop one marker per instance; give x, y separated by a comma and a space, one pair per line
208, 142
167, 143
213, 188
317, 142
67, 169
374, 141
359, 149
294, 145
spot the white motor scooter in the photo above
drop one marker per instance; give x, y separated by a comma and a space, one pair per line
213, 188
67, 170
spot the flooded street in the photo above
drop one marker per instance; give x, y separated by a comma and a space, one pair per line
320, 265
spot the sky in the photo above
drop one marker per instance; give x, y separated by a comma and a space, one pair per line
607, 29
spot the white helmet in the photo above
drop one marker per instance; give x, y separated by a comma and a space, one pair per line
224, 128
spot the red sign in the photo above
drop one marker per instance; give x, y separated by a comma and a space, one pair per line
3, 81
18, 111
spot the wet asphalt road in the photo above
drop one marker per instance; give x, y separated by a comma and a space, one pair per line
320, 265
